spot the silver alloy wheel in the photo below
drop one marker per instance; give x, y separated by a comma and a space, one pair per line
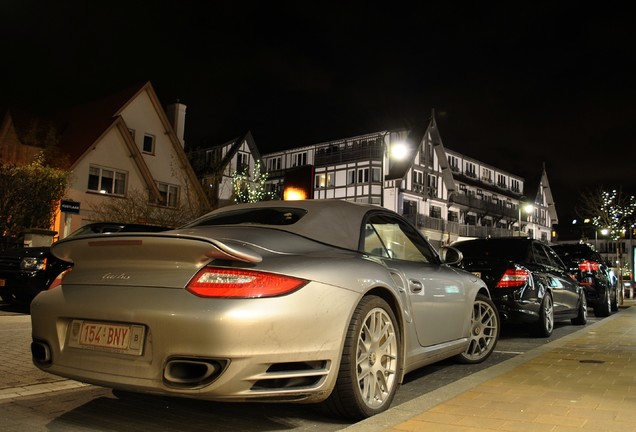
376, 359
548, 314
484, 331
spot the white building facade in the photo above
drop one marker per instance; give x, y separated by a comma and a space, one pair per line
446, 195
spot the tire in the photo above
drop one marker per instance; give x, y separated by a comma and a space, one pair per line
371, 362
545, 324
604, 308
484, 331
616, 300
581, 318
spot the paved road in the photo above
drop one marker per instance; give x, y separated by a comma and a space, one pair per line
31, 400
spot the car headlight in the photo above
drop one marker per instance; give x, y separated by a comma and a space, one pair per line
31, 263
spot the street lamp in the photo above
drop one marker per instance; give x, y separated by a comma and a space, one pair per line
527, 209
396, 151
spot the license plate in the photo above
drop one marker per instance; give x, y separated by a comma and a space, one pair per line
2, 282
478, 274
103, 336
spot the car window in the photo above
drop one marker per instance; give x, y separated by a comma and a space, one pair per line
540, 255
556, 261
391, 238
256, 216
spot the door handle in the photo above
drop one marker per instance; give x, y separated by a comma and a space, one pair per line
415, 286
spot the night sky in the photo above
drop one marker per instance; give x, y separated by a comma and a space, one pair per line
516, 86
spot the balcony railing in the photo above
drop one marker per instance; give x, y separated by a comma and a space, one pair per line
484, 206
462, 230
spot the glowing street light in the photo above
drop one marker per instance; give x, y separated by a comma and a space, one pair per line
527, 209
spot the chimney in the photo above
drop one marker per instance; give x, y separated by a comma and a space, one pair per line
176, 114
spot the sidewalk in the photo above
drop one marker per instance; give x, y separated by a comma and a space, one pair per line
582, 382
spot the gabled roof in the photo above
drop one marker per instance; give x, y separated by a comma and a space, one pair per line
235, 145
86, 124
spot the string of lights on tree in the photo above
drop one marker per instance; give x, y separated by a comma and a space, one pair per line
249, 186
617, 213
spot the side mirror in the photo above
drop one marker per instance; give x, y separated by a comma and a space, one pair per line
450, 255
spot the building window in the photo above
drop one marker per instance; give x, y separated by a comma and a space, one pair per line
299, 159
351, 177
323, 180
435, 212
274, 164
376, 175
242, 162
149, 144
363, 175
470, 170
486, 175
169, 195
418, 177
106, 181
453, 162
515, 185
501, 181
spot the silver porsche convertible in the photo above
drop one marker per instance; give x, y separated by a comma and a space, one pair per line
296, 301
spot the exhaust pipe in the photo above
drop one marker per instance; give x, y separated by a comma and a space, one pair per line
41, 352
190, 373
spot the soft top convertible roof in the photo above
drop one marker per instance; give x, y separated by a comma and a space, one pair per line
335, 222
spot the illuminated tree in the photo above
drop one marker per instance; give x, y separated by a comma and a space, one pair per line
29, 196
612, 211
249, 187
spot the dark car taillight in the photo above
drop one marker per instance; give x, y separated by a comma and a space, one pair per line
513, 277
241, 283
589, 266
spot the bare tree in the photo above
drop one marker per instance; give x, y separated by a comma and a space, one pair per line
135, 207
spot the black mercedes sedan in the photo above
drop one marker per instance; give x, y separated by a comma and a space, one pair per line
528, 282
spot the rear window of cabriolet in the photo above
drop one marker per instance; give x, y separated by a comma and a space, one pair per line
256, 216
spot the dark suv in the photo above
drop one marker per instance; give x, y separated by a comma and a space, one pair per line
593, 273
25, 272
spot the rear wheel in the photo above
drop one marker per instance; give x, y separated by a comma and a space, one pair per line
604, 308
368, 376
545, 325
484, 331
618, 299
581, 318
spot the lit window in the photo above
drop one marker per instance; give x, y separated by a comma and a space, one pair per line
149, 144
106, 181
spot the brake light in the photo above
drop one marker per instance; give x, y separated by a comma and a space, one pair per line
589, 266
514, 277
241, 283
58, 280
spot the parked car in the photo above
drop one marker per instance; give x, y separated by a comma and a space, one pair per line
528, 282
287, 301
598, 279
26, 271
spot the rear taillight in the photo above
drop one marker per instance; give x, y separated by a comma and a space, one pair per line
240, 283
588, 266
514, 277
58, 280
